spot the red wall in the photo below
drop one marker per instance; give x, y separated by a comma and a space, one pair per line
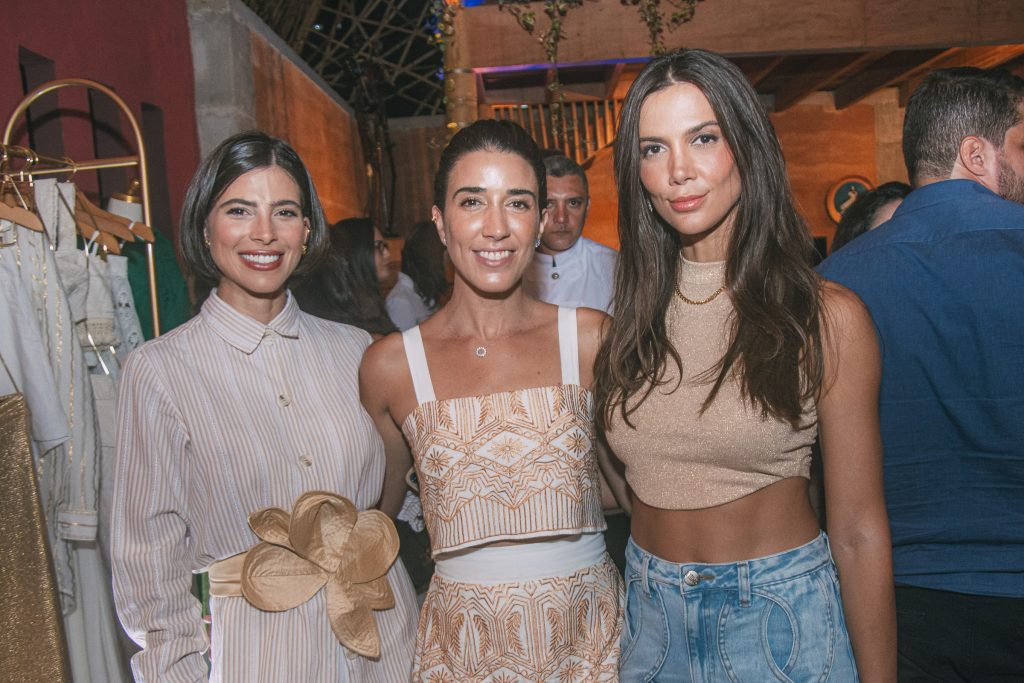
140, 49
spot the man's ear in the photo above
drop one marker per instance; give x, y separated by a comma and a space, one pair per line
978, 160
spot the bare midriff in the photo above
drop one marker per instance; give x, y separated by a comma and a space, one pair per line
771, 520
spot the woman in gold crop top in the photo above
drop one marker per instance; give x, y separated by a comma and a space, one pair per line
727, 355
492, 395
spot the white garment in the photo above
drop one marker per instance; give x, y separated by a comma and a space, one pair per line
73, 470
405, 307
582, 275
128, 327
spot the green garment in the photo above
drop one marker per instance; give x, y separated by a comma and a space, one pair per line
171, 290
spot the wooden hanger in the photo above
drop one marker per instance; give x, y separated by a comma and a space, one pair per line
140, 229
97, 218
16, 212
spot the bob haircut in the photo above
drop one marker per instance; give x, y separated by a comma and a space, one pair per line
488, 135
775, 342
233, 158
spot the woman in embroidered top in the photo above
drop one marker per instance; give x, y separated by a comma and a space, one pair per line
492, 393
727, 355
253, 404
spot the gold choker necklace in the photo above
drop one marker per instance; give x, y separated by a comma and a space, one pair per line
690, 301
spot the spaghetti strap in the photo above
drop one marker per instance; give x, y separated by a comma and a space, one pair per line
417, 359
568, 345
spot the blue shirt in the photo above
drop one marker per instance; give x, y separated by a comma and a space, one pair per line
944, 281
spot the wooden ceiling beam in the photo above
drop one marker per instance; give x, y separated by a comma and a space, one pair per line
821, 72
981, 57
756, 69
613, 31
888, 71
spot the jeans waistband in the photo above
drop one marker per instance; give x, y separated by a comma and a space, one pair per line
692, 577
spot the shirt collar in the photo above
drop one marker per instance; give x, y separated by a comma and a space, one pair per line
241, 331
562, 258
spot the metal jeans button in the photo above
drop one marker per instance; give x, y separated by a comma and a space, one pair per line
691, 578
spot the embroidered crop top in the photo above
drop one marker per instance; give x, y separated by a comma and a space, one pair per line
677, 459
511, 465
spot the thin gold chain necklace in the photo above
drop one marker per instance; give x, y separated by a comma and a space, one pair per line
690, 301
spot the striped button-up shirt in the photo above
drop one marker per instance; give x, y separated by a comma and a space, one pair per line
219, 418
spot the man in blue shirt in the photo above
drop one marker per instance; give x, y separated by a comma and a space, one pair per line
944, 281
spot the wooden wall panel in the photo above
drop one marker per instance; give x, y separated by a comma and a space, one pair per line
291, 106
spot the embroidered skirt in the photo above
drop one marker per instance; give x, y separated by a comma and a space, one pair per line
528, 612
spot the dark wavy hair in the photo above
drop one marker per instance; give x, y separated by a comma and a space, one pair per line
345, 288
859, 216
231, 159
775, 344
488, 135
423, 262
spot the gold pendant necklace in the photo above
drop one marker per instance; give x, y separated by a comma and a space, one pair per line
708, 300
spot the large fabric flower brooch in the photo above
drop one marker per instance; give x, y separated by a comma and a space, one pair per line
324, 543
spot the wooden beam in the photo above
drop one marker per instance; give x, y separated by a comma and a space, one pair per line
609, 30
821, 72
888, 71
756, 69
981, 57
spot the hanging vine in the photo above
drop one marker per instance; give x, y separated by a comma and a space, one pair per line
442, 34
556, 11
682, 11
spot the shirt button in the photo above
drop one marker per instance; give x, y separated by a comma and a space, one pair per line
283, 401
554, 276
691, 578
305, 461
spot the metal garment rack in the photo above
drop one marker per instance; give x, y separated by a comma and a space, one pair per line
39, 164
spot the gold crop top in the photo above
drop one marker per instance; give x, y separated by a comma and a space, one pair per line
510, 465
678, 459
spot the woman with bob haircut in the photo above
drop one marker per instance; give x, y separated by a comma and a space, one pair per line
492, 394
227, 423
726, 357
345, 287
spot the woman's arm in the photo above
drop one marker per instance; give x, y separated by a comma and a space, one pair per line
151, 551
377, 379
858, 526
591, 326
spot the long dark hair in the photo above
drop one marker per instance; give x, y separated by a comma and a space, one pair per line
775, 344
423, 262
231, 159
345, 288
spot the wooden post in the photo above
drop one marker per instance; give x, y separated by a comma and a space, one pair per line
460, 81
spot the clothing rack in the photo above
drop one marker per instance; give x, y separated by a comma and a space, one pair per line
39, 164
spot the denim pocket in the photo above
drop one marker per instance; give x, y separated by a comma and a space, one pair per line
787, 633
645, 633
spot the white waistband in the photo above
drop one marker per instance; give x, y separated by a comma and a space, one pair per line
522, 561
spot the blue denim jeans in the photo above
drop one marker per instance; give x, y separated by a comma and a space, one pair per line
776, 618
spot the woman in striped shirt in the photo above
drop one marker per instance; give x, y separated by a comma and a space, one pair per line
247, 406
